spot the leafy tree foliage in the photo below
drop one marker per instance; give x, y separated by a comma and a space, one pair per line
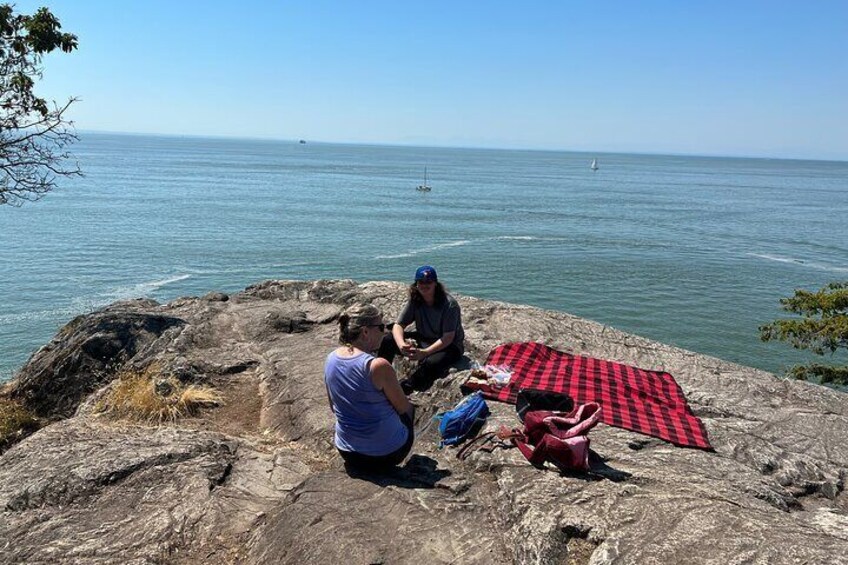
34, 134
822, 329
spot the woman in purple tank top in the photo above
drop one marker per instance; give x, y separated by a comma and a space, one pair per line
373, 416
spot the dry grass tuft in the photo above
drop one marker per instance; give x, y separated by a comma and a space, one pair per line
16, 422
150, 396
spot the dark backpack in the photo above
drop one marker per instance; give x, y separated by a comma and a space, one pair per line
455, 424
530, 399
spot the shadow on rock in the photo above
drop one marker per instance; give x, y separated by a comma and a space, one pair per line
600, 471
418, 472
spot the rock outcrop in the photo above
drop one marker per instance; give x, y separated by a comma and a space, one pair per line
257, 480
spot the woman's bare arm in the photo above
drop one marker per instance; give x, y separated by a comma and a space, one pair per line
384, 378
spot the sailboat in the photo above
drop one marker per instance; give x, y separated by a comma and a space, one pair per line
594, 165
424, 187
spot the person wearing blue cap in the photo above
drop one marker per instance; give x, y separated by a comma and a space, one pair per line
437, 342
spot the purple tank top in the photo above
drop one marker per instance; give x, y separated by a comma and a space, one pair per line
366, 422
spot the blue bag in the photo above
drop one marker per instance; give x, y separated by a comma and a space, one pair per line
455, 424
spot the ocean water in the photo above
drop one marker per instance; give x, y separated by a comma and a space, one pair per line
692, 251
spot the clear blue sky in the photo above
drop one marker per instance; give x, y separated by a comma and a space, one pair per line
719, 78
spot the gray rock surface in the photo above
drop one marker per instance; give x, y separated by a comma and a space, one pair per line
257, 480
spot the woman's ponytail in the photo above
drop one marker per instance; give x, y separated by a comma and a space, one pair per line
344, 329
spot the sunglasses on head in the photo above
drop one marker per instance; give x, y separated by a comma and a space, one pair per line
381, 327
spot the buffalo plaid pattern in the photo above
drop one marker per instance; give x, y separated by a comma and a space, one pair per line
648, 402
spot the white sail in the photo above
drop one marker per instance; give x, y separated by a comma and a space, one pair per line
594, 165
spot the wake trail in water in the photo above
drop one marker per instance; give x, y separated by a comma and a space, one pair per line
246, 268
38, 315
800, 262
151, 286
463, 242
83, 304
429, 249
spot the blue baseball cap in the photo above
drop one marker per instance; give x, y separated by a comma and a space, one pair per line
426, 273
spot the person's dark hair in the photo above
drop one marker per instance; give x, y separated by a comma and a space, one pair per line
438, 298
352, 320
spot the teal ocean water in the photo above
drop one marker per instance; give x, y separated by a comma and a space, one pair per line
692, 251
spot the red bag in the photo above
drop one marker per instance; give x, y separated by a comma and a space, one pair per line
558, 437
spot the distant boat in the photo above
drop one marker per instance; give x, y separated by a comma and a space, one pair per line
302, 141
424, 187
594, 165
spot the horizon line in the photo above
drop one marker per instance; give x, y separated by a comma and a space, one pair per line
472, 147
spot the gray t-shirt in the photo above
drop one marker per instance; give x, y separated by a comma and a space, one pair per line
432, 322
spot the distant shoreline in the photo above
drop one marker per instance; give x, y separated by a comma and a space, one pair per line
586, 152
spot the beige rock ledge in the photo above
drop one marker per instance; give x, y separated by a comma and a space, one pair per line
258, 481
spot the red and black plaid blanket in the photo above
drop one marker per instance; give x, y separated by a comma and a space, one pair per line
649, 402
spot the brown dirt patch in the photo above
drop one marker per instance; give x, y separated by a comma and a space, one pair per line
239, 415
